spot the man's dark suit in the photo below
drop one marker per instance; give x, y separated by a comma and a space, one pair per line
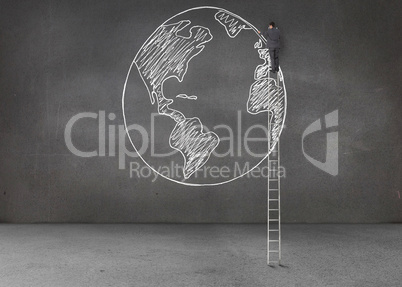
273, 44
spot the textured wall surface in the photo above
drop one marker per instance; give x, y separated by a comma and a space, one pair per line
61, 58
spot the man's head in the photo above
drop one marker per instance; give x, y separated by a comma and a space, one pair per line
271, 25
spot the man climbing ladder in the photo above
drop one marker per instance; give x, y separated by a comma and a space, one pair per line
273, 36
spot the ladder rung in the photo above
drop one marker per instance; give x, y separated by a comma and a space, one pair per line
274, 241
274, 219
276, 199
273, 230
273, 179
274, 251
276, 209
273, 189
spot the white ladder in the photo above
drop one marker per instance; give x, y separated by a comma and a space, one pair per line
274, 208
273, 200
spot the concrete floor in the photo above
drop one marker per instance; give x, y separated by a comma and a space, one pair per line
198, 255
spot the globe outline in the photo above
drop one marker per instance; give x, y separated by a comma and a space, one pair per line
231, 179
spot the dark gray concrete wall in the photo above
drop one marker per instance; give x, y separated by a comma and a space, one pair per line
61, 58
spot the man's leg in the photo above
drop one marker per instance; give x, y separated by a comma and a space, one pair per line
272, 57
276, 59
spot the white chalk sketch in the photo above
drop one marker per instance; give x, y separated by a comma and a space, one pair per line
167, 54
232, 23
164, 55
195, 145
258, 44
267, 95
184, 96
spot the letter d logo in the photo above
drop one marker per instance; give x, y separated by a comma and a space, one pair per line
331, 161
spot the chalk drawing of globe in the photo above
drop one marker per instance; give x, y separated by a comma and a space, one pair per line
198, 97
